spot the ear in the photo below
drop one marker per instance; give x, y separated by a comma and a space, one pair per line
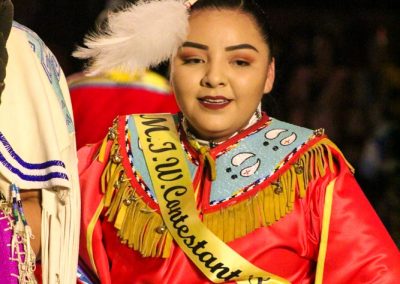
269, 82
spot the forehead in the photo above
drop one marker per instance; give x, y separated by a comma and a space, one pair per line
224, 25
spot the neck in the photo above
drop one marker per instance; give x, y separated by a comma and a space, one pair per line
213, 143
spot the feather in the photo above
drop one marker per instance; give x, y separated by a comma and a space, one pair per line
142, 35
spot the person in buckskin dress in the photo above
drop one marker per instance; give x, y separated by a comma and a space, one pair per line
39, 186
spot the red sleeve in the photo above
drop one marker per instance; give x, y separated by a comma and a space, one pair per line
358, 249
92, 251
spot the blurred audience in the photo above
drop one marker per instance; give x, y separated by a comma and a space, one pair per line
354, 92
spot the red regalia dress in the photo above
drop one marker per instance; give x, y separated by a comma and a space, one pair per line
284, 198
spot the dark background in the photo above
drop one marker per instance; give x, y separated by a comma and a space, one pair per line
62, 23
338, 67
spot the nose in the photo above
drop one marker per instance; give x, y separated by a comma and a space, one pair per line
214, 76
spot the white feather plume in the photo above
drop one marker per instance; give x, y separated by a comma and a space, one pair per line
143, 35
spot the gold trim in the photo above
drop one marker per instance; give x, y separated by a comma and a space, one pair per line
325, 232
89, 234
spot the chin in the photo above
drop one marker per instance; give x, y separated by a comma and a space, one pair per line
218, 135
212, 130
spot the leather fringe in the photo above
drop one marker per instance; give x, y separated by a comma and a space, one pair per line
138, 226
143, 230
274, 201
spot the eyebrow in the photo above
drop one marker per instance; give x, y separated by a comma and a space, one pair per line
241, 46
229, 48
195, 45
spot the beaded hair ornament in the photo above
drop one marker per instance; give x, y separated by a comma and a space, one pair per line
140, 36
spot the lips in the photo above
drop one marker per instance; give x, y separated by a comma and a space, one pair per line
214, 102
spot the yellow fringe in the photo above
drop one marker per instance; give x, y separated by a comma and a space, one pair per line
143, 229
273, 202
137, 225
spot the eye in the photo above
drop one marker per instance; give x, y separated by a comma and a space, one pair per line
240, 62
192, 60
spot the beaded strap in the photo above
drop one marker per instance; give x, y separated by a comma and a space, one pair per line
19, 265
8, 267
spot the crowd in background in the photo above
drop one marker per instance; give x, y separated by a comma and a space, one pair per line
340, 70
336, 68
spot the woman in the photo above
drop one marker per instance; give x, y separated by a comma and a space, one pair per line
234, 195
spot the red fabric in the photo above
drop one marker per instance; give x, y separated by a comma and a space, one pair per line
96, 106
359, 248
38, 273
90, 201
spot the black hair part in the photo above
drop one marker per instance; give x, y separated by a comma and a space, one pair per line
250, 7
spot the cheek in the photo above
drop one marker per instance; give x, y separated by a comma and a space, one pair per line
249, 90
247, 85
183, 83
176, 83
182, 92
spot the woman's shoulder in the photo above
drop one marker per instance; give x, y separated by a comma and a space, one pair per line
307, 139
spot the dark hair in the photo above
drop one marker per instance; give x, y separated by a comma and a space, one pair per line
247, 6
6, 17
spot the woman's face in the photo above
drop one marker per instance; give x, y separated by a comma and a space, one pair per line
221, 72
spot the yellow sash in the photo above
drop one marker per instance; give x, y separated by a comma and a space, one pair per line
174, 191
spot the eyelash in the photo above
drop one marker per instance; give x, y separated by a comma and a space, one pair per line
241, 62
196, 60
192, 60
